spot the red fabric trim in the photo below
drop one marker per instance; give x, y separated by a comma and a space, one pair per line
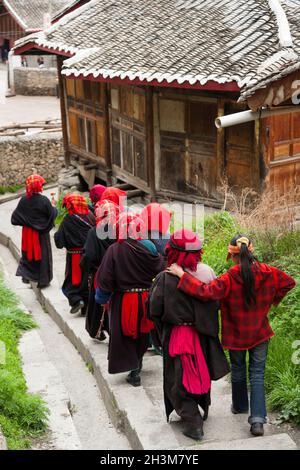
129, 316
76, 269
31, 244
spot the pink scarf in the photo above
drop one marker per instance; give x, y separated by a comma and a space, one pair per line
184, 342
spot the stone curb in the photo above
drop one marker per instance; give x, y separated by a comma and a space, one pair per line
120, 401
12, 197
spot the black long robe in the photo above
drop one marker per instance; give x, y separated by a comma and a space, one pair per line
37, 213
94, 251
72, 233
126, 266
167, 307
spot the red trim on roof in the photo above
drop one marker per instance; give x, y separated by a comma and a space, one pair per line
31, 45
210, 85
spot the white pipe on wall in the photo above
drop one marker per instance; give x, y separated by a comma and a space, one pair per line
248, 116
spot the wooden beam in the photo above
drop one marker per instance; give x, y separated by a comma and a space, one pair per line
150, 142
257, 149
108, 160
63, 111
220, 144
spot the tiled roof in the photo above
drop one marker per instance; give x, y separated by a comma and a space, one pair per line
30, 13
68, 5
182, 41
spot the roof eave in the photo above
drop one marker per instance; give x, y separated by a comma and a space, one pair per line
30, 46
208, 86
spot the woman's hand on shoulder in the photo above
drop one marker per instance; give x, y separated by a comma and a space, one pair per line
175, 270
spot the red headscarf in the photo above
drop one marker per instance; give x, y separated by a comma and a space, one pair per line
184, 248
156, 218
129, 226
34, 184
96, 192
115, 195
107, 212
75, 204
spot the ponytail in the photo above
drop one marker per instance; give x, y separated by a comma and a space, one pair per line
246, 261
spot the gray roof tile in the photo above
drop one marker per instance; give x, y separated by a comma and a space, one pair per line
183, 40
30, 13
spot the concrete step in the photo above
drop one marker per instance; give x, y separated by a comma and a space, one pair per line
277, 442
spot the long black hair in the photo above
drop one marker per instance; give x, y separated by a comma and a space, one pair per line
246, 261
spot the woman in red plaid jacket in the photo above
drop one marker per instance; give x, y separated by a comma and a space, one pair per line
246, 293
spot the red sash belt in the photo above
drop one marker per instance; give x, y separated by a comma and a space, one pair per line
31, 244
184, 342
129, 315
76, 269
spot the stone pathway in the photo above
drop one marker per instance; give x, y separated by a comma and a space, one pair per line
140, 412
24, 109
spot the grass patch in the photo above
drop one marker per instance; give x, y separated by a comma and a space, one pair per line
23, 416
10, 189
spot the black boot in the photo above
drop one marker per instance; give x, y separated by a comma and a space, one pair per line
194, 433
77, 307
235, 412
257, 429
25, 281
101, 337
133, 378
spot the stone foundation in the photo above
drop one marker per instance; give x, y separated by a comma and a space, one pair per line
35, 81
22, 156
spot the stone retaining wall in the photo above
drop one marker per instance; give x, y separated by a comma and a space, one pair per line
35, 81
22, 156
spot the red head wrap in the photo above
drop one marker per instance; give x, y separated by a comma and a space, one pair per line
75, 204
156, 218
115, 195
96, 192
184, 248
34, 184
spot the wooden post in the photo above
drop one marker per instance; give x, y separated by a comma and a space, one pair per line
108, 160
63, 112
150, 142
257, 149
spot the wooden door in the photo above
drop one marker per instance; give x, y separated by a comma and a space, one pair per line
282, 152
239, 152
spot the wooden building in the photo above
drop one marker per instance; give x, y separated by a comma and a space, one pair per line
21, 17
143, 81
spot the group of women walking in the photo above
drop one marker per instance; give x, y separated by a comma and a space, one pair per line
141, 286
